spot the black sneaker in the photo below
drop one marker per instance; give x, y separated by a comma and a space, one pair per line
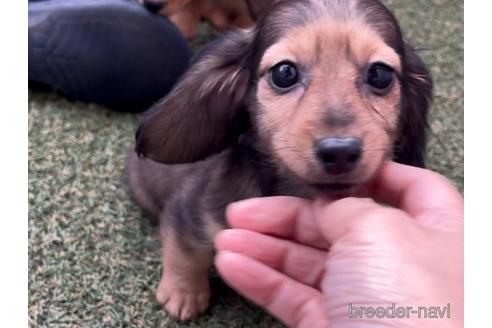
112, 52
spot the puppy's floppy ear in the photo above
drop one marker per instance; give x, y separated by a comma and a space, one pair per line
205, 111
416, 98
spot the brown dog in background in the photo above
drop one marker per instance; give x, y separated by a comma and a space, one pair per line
222, 14
309, 103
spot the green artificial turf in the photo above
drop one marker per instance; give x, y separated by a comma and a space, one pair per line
93, 261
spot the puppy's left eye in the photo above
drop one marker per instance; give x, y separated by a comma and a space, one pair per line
284, 76
380, 77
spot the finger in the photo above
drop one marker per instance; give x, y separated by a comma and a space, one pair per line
297, 305
419, 192
285, 217
302, 263
341, 217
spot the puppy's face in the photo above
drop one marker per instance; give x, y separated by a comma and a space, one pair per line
328, 88
328, 100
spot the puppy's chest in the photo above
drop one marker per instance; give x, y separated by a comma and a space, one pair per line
242, 183
272, 185
271, 182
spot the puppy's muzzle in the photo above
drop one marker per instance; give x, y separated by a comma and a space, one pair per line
154, 5
338, 155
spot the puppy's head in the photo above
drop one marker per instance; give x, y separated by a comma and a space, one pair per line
329, 88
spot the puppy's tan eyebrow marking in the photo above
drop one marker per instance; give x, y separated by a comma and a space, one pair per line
387, 56
277, 53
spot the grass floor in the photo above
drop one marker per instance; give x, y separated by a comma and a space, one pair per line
93, 261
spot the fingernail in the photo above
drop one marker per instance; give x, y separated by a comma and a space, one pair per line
227, 234
244, 207
225, 255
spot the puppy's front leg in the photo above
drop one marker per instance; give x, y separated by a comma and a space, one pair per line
184, 289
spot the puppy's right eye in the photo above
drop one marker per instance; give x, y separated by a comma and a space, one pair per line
380, 77
284, 76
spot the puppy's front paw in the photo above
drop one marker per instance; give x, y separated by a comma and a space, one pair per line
183, 299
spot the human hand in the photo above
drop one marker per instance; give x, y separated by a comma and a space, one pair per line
305, 262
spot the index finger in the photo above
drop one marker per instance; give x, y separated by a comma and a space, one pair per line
417, 191
281, 216
296, 304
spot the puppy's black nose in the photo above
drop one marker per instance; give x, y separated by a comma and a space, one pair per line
339, 155
154, 5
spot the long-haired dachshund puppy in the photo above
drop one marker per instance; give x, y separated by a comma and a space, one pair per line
308, 103
222, 14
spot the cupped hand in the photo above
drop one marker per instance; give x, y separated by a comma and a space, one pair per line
322, 263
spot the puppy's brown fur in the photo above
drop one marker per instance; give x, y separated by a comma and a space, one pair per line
225, 134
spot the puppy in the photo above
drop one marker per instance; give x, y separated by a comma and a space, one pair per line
222, 14
308, 103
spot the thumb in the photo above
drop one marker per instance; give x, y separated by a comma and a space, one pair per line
426, 196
